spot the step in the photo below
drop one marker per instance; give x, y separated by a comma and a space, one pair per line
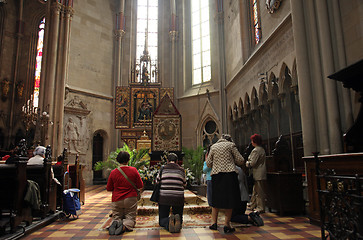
192, 204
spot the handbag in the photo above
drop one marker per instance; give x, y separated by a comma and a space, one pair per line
156, 192
133, 184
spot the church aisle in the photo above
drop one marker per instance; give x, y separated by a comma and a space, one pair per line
95, 213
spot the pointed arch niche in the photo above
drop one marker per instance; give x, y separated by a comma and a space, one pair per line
209, 126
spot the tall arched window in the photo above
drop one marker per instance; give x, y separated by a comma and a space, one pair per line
38, 63
147, 22
200, 41
256, 21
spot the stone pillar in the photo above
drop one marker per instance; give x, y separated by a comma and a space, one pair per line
332, 105
322, 130
50, 79
173, 34
245, 30
342, 62
222, 65
19, 36
304, 80
68, 13
119, 33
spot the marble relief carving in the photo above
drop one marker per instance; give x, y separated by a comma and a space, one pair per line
76, 126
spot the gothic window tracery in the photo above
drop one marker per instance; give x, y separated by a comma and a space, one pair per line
38, 63
256, 22
201, 59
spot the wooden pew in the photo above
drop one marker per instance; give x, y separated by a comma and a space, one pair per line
41, 174
59, 171
12, 189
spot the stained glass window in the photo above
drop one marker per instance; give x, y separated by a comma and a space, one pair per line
147, 21
256, 22
201, 59
38, 62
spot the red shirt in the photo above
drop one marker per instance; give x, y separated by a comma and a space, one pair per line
120, 187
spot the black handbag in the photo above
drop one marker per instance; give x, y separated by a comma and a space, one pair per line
156, 192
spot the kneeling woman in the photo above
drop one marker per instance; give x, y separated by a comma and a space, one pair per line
124, 195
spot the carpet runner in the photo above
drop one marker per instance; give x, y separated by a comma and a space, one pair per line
197, 212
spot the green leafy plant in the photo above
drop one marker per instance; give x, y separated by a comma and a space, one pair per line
138, 159
194, 160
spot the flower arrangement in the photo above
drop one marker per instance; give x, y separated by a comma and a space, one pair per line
148, 174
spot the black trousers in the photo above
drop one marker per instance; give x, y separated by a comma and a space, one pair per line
164, 211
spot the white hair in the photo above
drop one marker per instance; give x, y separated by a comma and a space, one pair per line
40, 150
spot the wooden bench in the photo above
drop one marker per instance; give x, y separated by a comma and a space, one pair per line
12, 189
77, 180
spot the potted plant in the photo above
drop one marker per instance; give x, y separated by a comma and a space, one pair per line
137, 159
194, 160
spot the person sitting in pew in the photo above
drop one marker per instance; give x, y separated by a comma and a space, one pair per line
38, 159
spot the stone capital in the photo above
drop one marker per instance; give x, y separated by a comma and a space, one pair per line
56, 7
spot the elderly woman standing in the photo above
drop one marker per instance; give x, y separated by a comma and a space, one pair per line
223, 158
124, 195
257, 161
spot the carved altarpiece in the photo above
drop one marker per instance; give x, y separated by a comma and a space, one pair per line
134, 110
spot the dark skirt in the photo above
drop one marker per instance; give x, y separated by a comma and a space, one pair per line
225, 190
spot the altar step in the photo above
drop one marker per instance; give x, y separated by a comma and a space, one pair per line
192, 204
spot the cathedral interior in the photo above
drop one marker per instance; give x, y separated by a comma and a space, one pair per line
89, 76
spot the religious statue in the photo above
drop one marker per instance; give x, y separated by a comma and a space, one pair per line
145, 74
71, 135
145, 110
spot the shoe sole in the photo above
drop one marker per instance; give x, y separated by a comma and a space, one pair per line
177, 226
112, 228
171, 224
119, 228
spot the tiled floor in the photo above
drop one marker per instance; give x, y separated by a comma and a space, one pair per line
92, 222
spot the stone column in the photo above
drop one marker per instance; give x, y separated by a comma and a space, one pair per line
173, 34
119, 33
68, 13
332, 105
342, 62
19, 36
304, 80
50, 79
222, 65
245, 29
322, 131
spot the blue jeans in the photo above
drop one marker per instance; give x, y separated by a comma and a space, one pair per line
164, 211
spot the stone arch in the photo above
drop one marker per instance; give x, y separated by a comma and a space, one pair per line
263, 96
273, 87
294, 80
247, 105
285, 79
100, 152
210, 131
254, 99
240, 108
235, 111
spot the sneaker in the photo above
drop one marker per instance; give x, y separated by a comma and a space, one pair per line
177, 225
172, 223
120, 228
112, 228
228, 229
214, 226
256, 219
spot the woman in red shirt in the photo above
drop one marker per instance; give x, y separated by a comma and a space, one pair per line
124, 195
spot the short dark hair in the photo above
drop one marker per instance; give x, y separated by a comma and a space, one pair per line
123, 157
256, 138
172, 157
227, 137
